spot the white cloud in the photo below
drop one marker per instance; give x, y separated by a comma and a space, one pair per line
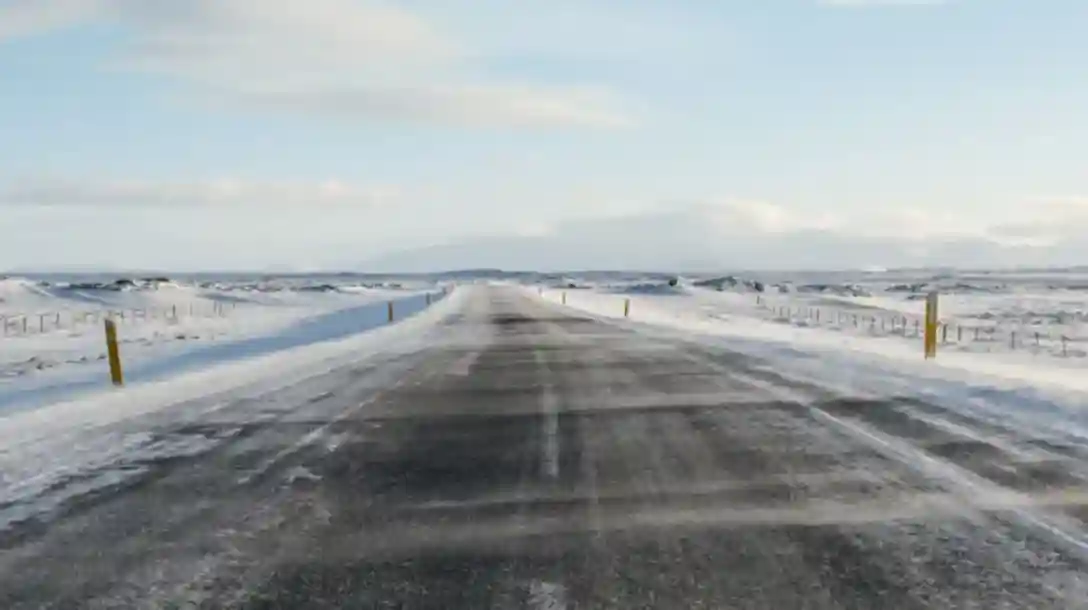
748, 215
358, 59
1049, 220
20, 18
273, 41
1038, 222
467, 105
734, 234
207, 193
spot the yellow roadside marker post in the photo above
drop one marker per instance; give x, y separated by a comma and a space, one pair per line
932, 323
114, 353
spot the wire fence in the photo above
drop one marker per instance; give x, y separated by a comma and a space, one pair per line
962, 335
27, 324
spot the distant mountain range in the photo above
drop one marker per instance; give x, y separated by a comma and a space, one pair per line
697, 249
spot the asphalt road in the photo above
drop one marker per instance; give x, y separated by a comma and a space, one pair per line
532, 458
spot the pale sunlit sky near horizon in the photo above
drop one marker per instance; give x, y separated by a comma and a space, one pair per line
426, 134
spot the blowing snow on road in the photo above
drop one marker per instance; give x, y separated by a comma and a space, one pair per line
519, 454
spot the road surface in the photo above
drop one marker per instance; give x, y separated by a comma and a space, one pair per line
534, 458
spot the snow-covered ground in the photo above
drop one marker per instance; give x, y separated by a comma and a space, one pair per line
783, 327
59, 451
52, 345
1041, 315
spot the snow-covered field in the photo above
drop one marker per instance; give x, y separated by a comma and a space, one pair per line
740, 319
850, 327
1035, 314
52, 343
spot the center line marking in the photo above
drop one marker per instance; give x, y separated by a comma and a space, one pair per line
549, 409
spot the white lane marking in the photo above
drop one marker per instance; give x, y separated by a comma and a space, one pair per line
547, 596
549, 411
309, 439
463, 365
550, 406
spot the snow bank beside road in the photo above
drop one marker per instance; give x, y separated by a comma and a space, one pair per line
59, 451
735, 316
210, 341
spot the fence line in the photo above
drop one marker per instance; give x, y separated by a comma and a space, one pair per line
883, 323
907, 325
16, 325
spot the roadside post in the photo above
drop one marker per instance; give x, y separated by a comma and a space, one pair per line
931, 325
390, 312
627, 308
114, 353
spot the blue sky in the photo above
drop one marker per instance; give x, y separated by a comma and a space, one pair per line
197, 134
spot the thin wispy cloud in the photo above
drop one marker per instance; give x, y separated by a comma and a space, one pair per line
19, 18
223, 192
335, 58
